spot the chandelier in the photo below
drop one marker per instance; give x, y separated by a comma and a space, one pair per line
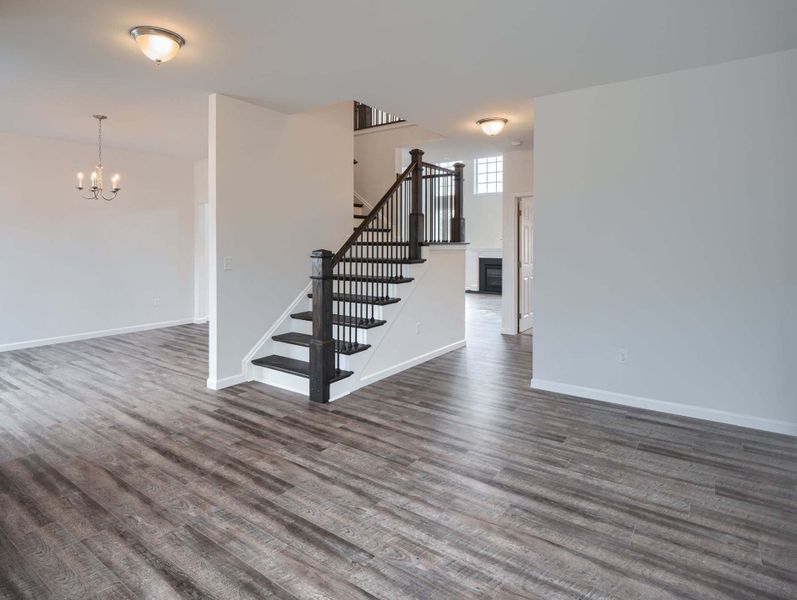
97, 188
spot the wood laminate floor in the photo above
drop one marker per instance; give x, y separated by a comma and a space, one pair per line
122, 476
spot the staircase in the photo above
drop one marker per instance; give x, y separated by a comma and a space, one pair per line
354, 288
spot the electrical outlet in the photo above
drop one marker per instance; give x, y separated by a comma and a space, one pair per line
156, 302
227, 263
622, 356
417, 329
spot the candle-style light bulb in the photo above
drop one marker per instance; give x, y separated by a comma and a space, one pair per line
115, 181
94, 179
80, 181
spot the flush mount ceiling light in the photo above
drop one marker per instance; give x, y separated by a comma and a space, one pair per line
492, 125
158, 44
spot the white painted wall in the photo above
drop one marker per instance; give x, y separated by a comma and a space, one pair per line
430, 318
74, 268
380, 152
201, 234
482, 228
280, 186
518, 181
664, 224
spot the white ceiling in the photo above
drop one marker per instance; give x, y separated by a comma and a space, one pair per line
440, 63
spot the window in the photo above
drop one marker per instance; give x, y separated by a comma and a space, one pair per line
489, 177
448, 165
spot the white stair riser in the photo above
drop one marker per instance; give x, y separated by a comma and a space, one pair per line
286, 381
348, 362
355, 308
379, 251
297, 384
393, 290
353, 334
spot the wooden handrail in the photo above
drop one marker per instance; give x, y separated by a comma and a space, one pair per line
371, 216
438, 168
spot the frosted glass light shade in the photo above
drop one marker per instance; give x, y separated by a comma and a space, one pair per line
492, 126
160, 45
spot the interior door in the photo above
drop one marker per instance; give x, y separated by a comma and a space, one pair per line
525, 262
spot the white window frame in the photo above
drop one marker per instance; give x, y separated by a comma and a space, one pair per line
488, 174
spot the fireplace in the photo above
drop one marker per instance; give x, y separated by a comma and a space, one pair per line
490, 272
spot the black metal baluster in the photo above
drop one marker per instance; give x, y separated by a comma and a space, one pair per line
382, 248
351, 306
336, 304
432, 206
342, 296
391, 269
372, 276
359, 266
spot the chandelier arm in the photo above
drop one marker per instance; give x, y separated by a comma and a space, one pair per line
94, 197
108, 199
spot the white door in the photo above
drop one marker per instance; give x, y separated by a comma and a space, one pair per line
525, 262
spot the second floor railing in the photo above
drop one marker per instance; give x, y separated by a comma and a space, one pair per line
423, 206
366, 117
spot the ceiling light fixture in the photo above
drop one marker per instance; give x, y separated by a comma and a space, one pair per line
96, 188
492, 125
158, 44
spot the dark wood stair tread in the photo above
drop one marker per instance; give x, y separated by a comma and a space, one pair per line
303, 339
362, 299
372, 279
375, 229
358, 204
360, 216
344, 320
388, 261
294, 367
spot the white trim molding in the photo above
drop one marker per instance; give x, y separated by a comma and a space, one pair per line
403, 366
363, 201
77, 337
225, 382
673, 408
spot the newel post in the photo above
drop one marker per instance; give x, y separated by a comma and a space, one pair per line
457, 220
416, 208
322, 349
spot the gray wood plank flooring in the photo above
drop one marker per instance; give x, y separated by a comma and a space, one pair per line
122, 476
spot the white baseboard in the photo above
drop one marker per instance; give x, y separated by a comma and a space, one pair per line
403, 366
225, 382
509, 331
201, 320
673, 408
76, 337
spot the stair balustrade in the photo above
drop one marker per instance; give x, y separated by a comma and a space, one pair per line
423, 206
